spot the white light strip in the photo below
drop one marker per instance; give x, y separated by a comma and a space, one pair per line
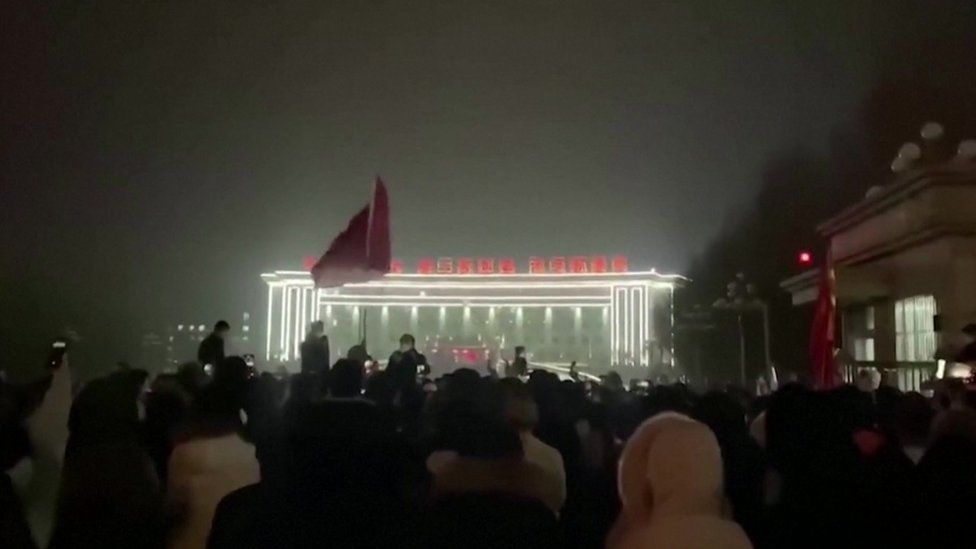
296, 334
600, 298
627, 313
613, 330
444, 303
304, 309
267, 326
282, 334
497, 276
636, 328
646, 331
481, 285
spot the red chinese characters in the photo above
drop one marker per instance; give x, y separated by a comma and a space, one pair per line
445, 265
537, 265
506, 266
619, 264
396, 266
598, 264
557, 265
425, 266
486, 266
465, 266
577, 264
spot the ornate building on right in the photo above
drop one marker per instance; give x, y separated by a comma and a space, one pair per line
904, 259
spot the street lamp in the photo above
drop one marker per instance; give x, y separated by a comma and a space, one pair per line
740, 298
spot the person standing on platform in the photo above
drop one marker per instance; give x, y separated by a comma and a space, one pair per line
211, 350
518, 367
315, 350
406, 362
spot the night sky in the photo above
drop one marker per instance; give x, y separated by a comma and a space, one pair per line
158, 156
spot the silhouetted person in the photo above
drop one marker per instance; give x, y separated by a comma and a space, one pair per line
211, 350
15, 449
315, 350
407, 361
484, 493
110, 495
742, 459
346, 379
212, 458
519, 367
338, 486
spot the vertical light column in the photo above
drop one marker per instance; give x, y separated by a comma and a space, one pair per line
296, 338
621, 342
519, 323
492, 329
547, 326
577, 325
646, 333
466, 321
413, 319
268, 326
635, 326
283, 328
317, 306
303, 316
441, 320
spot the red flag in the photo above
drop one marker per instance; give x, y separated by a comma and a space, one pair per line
822, 330
362, 251
378, 252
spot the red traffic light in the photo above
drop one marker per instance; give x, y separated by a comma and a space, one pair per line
805, 258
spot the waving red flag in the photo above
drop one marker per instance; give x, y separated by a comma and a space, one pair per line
822, 331
378, 250
362, 251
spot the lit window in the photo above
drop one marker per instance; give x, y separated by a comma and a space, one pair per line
246, 328
179, 328
202, 327
191, 328
864, 349
915, 328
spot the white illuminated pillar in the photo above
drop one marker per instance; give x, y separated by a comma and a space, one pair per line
283, 327
466, 321
413, 319
519, 322
267, 327
384, 323
492, 329
297, 331
547, 326
441, 320
577, 324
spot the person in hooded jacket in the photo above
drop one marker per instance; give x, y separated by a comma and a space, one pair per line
670, 486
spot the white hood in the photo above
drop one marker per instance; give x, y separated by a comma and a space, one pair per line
670, 484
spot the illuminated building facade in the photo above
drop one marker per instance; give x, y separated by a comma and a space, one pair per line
590, 309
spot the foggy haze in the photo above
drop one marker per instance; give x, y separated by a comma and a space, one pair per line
159, 156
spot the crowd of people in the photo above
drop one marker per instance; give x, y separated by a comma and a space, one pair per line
340, 455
